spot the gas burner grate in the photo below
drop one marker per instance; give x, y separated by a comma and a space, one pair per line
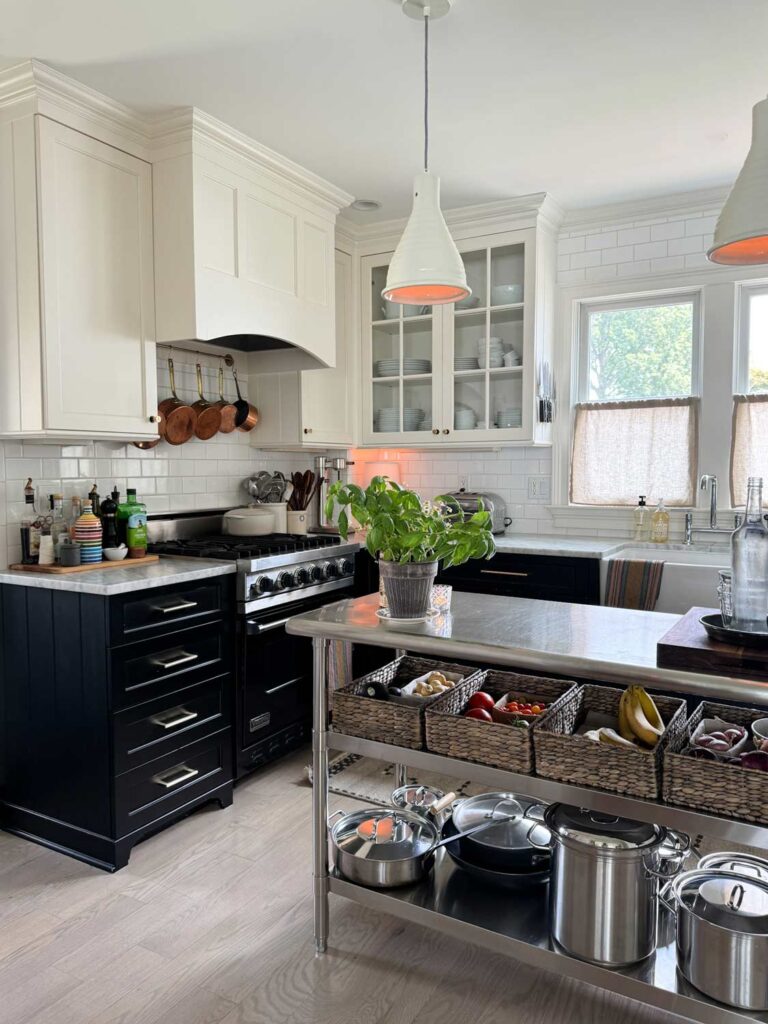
243, 547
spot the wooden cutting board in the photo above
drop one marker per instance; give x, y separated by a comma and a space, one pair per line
686, 646
65, 570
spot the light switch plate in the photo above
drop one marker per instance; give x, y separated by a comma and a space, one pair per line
538, 488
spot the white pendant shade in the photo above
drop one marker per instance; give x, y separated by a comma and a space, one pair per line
741, 235
426, 268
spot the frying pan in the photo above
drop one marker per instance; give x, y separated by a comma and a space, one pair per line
227, 409
208, 415
177, 419
247, 414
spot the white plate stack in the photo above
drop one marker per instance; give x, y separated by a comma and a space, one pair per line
411, 366
495, 353
465, 363
464, 419
509, 418
388, 420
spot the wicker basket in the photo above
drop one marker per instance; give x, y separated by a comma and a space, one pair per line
568, 758
498, 745
713, 786
391, 721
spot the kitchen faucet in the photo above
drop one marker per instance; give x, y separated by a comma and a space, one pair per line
711, 482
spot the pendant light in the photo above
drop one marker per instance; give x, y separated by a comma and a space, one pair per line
741, 234
426, 269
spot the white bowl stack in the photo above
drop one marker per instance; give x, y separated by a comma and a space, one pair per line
464, 419
509, 418
495, 353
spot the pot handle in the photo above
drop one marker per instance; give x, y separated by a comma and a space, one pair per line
682, 846
532, 842
442, 803
664, 897
336, 814
538, 810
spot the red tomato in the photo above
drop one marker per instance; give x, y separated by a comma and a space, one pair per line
479, 713
481, 700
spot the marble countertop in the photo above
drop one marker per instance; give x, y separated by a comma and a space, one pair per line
107, 582
541, 544
584, 641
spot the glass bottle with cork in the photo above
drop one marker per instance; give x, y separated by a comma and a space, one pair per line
109, 518
749, 560
132, 524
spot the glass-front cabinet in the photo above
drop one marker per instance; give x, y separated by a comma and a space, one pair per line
456, 373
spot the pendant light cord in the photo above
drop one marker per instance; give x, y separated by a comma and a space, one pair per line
426, 88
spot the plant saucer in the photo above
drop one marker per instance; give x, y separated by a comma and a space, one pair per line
385, 616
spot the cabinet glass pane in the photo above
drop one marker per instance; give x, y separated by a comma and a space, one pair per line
417, 405
417, 346
469, 340
469, 410
476, 267
506, 337
506, 398
386, 408
385, 349
507, 275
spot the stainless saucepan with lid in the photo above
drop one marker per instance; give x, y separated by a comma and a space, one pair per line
428, 801
383, 848
722, 934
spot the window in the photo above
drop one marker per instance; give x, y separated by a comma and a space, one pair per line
637, 418
749, 440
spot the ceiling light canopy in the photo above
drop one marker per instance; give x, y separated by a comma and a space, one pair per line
741, 235
426, 268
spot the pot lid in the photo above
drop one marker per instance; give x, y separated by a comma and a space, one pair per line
415, 797
381, 834
741, 863
604, 831
740, 904
510, 834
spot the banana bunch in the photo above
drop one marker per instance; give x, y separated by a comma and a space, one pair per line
639, 718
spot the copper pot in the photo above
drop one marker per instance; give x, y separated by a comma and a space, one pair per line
208, 415
227, 409
247, 414
177, 419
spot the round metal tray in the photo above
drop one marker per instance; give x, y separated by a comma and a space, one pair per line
713, 624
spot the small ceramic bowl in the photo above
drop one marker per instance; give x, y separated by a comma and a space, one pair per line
116, 554
760, 731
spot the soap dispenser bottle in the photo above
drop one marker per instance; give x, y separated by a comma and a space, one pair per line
641, 520
660, 524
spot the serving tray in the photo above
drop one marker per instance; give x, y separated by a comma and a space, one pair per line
728, 635
688, 647
65, 570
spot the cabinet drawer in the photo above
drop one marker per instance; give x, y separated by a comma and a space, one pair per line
160, 726
168, 783
141, 672
165, 609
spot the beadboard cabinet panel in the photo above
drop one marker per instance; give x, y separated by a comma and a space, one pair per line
97, 284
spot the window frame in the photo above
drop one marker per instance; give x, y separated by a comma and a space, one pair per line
741, 342
663, 297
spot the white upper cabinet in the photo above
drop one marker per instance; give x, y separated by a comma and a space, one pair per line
244, 245
468, 373
77, 351
312, 408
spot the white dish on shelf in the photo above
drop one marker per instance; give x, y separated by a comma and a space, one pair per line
506, 294
469, 302
391, 310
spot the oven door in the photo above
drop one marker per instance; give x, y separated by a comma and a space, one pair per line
274, 698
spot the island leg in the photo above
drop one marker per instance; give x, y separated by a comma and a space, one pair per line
401, 771
320, 795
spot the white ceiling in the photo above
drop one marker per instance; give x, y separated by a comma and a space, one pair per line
595, 102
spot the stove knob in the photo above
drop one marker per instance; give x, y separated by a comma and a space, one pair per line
302, 577
347, 567
330, 570
264, 585
316, 574
286, 579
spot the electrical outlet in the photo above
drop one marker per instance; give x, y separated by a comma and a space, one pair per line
538, 488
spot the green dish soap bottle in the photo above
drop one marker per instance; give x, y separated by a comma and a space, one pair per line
132, 524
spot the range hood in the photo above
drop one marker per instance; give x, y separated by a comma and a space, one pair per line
244, 248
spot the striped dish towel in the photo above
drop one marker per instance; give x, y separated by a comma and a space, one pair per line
633, 584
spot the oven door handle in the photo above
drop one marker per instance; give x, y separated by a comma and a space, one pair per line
254, 627
282, 686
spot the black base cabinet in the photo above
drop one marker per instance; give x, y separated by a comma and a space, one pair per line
542, 577
116, 713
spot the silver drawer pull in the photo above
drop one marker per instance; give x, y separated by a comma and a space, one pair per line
174, 662
500, 572
175, 776
182, 606
176, 716
282, 686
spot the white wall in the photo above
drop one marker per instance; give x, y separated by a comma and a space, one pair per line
196, 475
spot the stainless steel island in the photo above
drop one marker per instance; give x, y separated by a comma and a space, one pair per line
588, 642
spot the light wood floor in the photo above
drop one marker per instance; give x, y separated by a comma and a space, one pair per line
211, 922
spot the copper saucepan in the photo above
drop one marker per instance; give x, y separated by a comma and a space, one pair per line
227, 409
177, 419
247, 414
208, 415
